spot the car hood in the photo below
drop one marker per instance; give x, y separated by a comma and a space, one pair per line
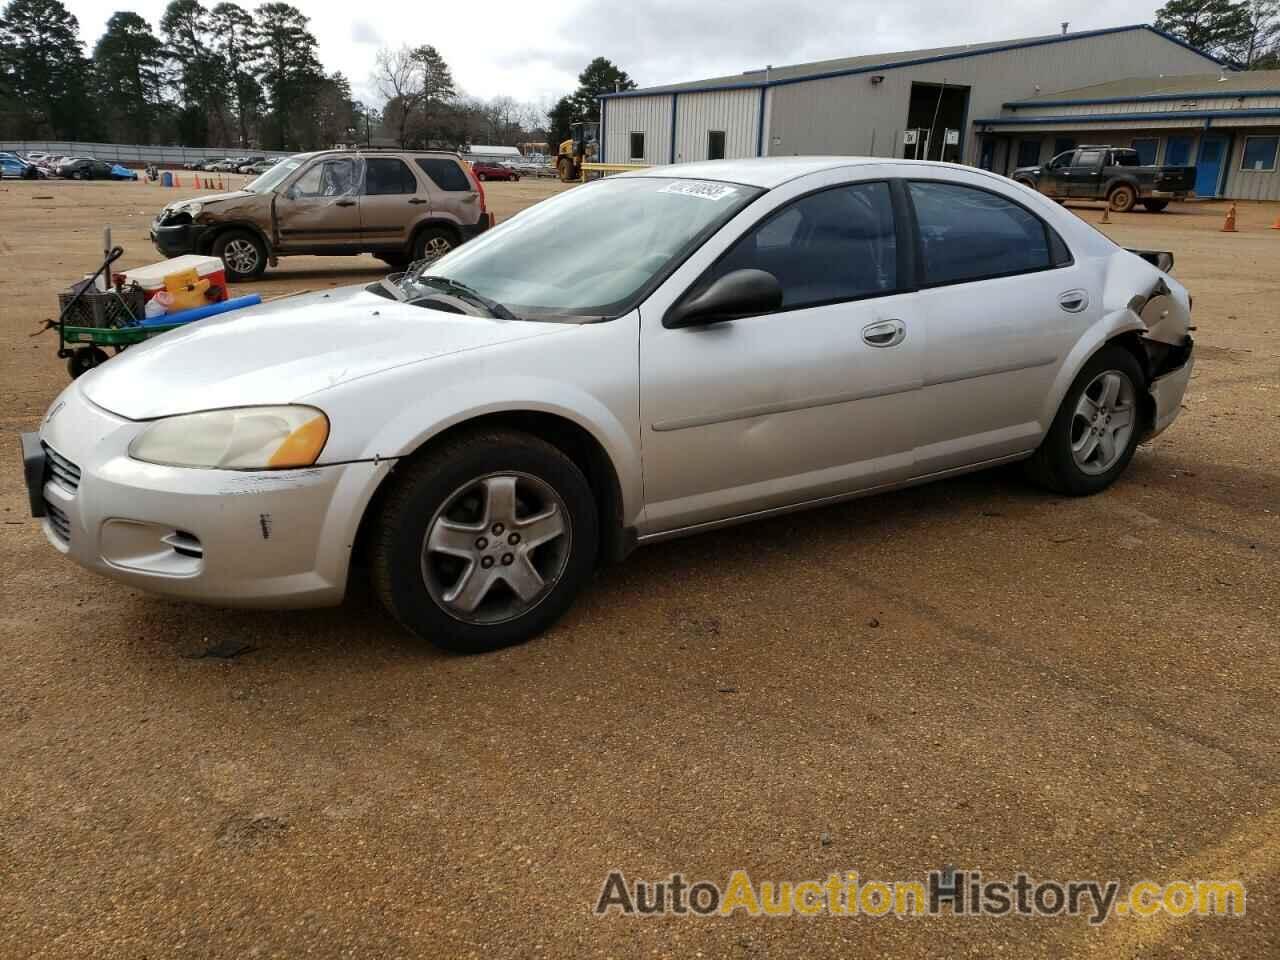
213, 198
284, 351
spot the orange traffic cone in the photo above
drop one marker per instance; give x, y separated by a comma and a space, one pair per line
1229, 225
220, 187
1276, 225
1106, 214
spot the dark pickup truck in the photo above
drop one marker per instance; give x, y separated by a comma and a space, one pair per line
1108, 173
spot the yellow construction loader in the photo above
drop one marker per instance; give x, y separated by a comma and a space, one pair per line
580, 148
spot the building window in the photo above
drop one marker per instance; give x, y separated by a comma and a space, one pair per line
1260, 153
1146, 148
715, 144
637, 146
1063, 144
1028, 153
1177, 152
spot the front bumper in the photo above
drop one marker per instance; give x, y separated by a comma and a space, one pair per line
279, 538
177, 239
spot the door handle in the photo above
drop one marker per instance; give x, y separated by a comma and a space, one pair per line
1073, 301
417, 200
884, 333
345, 203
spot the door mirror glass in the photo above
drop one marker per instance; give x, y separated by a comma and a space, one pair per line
742, 293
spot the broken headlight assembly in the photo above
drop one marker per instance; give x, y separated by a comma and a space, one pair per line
238, 438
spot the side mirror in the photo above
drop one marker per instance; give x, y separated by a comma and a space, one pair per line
742, 293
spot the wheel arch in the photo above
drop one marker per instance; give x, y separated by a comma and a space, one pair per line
572, 439
1126, 333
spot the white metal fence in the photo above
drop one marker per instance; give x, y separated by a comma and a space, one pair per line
133, 153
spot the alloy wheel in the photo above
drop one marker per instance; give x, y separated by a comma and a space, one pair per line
496, 548
241, 256
436, 247
1103, 423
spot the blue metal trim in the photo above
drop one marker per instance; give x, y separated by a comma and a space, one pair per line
674, 98
1069, 119
760, 124
916, 62
1146, 98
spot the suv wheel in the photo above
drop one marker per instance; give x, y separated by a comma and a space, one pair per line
242, 253
433, 242
485, 542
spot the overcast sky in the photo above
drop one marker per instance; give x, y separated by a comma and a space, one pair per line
533, 50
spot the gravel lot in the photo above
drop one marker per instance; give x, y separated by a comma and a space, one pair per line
970, 673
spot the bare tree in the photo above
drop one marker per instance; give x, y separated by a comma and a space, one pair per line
398, 78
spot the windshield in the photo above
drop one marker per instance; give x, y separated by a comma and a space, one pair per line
594, 251
269, 180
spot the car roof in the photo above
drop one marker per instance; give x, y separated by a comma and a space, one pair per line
770, 172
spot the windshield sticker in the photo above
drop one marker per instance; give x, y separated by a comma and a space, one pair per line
701, 189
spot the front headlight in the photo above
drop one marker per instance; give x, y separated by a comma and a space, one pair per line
241, 438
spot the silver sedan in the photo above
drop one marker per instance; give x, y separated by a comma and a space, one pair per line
642, 357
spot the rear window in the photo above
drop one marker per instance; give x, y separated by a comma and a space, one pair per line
445, 173
387, 175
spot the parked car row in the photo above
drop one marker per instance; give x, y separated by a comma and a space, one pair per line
247, 164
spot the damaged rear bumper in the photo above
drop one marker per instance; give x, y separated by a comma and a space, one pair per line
1167, 391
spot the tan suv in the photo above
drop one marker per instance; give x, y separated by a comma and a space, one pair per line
399, 205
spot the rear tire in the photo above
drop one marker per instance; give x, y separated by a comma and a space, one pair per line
432, 242
242, 254
1154, 206
1122, 198
481, 177
453, 551
1096, 429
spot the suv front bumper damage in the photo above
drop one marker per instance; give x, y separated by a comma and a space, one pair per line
176, 239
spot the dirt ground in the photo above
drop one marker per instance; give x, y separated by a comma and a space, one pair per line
971, 673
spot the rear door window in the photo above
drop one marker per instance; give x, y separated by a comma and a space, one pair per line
970, 234
445, 173
387, 175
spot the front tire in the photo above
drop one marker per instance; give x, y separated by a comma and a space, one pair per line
1096, 429
84, 359
484, 542
242, 254
1122, 198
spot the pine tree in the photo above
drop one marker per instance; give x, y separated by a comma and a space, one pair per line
45, 72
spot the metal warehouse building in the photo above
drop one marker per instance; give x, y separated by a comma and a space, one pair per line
985, 104
1227, 124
